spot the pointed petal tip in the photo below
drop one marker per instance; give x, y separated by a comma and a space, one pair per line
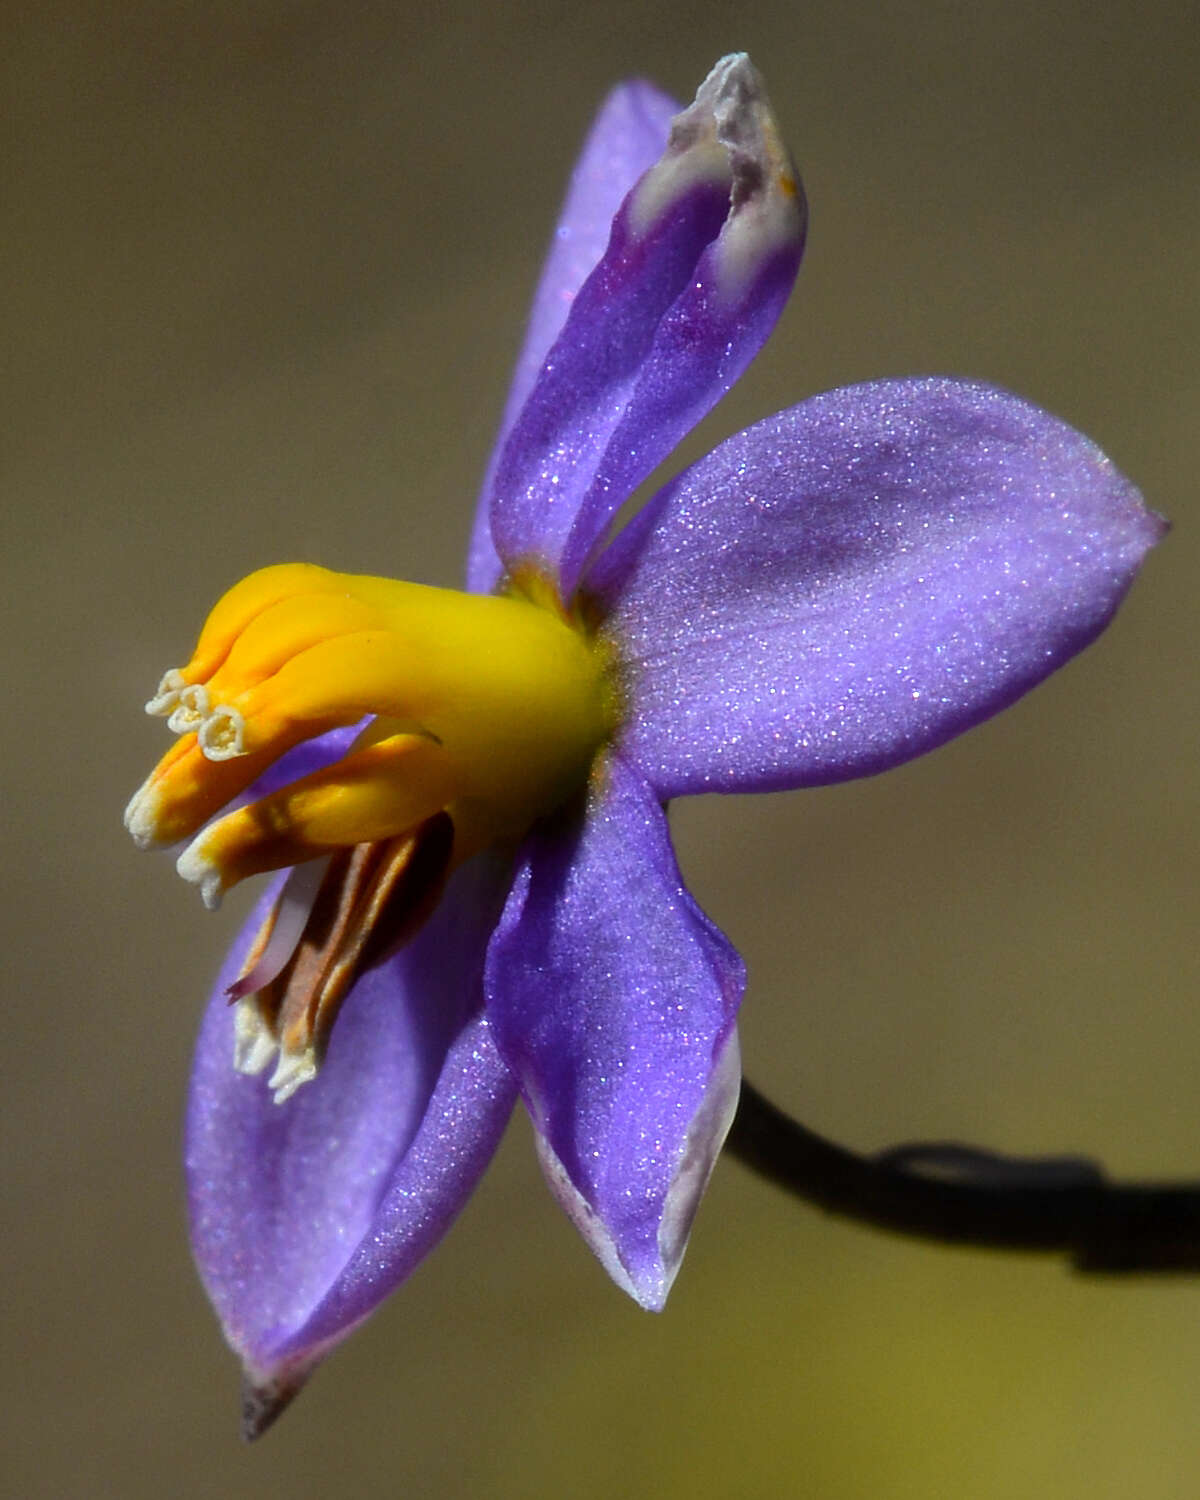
730, 130
1157, 526
265, 1401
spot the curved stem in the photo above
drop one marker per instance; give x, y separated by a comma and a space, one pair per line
965, 1196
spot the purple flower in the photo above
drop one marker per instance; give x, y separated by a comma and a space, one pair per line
465, 792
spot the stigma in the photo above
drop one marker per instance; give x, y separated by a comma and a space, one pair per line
479, 714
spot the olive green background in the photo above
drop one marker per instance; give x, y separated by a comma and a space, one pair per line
263, 269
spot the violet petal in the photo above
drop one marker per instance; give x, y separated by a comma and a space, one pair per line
702, 256
302, 760
626, 137
614, 999
305, 1215
854, 581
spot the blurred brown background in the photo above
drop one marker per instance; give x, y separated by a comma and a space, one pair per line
264, 269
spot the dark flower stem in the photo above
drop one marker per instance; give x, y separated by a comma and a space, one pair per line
961, 1195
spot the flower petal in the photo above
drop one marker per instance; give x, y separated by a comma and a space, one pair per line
305, 1215
627, 137
302, 760
613, 998
854, 581
703, 254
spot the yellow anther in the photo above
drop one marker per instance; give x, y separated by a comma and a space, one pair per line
282, 631
374, 793
235, 610
185, 789
512, 689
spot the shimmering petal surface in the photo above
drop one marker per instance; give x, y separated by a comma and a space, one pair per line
627, 136
826, 595
702, 256
856, 580
305, 1215
614, 997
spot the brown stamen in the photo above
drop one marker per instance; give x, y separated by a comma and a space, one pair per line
372, 900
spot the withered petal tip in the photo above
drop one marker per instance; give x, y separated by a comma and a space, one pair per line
264, 1403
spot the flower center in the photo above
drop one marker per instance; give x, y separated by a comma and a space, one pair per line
485, 712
